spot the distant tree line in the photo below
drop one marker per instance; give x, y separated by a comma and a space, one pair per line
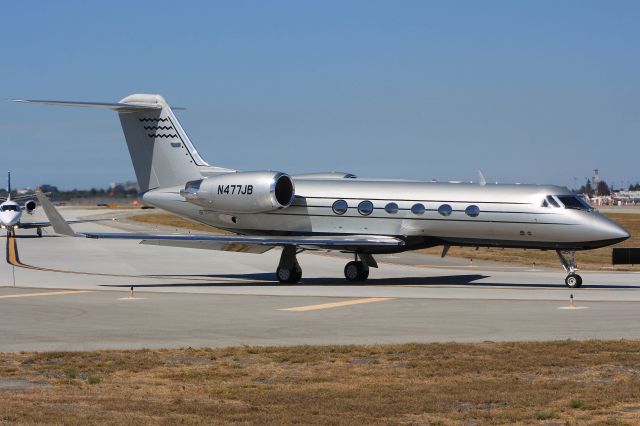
602, 188
117, 191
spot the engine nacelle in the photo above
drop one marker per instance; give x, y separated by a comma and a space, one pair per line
30, 206
242, 192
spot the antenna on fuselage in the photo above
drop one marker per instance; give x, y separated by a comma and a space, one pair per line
483, 182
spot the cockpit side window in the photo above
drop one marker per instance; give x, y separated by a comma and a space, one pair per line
545, 203
552, 201
574, 202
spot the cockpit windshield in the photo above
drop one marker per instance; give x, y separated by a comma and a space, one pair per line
9, 207
574, 202
552, 201
568, 202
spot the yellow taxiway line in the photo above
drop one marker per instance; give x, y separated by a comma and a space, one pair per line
13, 258
49, 293
336, 304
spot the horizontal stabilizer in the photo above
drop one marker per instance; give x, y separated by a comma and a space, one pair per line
119, 106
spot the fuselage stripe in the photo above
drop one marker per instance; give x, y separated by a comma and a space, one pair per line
418, 218
416, 201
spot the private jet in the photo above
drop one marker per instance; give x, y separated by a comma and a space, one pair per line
11, 212
335, 211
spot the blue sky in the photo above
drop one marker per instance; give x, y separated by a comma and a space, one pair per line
535, 92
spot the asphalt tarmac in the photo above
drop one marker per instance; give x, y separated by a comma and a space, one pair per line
61, 293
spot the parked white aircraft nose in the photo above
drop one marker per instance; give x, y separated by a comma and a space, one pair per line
9, 218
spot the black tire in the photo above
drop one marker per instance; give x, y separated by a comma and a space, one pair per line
39, 232
364, 274
356, 271
573, 281
288, 276
297, 276
351, 271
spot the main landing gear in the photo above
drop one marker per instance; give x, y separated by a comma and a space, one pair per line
290, 272
567, 259
358, 270
39, 232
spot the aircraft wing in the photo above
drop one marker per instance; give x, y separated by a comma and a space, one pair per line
211, 245
61, 226
335, 241
33, 225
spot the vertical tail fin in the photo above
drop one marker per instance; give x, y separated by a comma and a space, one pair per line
160, 150
8, 186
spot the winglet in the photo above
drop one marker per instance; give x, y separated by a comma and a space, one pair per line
60, 226
483, 182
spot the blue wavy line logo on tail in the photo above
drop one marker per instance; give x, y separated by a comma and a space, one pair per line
155, 135
158, 127
152, 120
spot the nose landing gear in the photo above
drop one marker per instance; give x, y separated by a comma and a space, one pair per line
567, 259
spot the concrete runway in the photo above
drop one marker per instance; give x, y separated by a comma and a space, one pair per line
73, 294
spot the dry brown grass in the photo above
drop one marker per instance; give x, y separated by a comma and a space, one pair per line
168, 219
495, 383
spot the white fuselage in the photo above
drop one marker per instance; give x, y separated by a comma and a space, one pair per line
507, 215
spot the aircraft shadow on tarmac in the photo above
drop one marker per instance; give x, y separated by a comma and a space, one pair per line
266, 279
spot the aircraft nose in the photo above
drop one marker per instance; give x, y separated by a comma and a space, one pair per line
623, 233
9, 218
612, 231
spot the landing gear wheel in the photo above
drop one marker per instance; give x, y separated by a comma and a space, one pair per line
356, 271
567, 259
288, 276
297, 276
573, 281
39, 232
